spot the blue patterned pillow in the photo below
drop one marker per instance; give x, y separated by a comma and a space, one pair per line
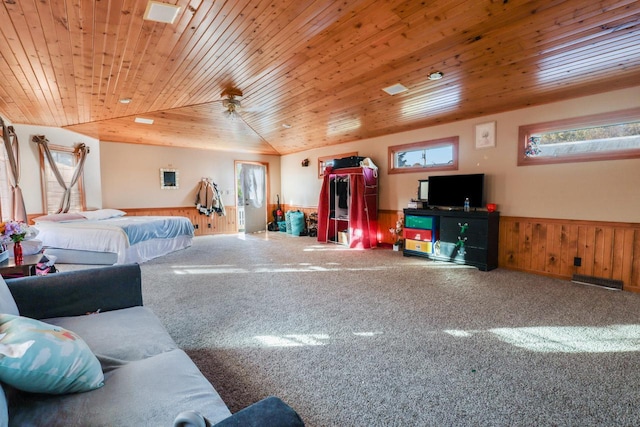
42, 358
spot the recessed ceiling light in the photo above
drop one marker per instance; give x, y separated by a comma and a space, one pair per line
395, 89
125, 100
143, 120
436, 75
161, 12
286, 125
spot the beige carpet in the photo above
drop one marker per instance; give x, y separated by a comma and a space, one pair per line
372, 338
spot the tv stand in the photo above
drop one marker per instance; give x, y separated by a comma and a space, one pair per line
457, 236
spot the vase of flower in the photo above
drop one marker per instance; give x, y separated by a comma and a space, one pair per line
397, 235
17, 253
15, 232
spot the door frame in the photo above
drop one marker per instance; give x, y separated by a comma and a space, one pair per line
267, 182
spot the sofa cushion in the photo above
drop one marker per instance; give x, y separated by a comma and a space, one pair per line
4, 414
7, 303
121, 335
147, 392
43, 358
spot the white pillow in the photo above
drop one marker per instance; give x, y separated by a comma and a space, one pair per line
61, 217
102, 214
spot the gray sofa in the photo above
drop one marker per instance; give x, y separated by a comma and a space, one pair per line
148, 380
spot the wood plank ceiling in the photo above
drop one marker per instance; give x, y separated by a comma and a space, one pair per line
318, 66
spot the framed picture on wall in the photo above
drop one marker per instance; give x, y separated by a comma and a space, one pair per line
168, 179
486, 135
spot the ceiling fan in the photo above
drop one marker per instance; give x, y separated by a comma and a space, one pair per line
231, 104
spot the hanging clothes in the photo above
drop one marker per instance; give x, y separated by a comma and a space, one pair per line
208, 199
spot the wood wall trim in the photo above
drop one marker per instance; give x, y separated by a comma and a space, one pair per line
543, 246
609, 250
204, 225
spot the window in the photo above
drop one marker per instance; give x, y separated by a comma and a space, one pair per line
66, 159
434, 155
609, 136
5, 185
325, 161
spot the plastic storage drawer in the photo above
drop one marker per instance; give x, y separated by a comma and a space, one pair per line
424, 222
418, 246
418, 234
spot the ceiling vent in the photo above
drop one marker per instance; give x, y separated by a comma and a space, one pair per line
161, 12
395, 89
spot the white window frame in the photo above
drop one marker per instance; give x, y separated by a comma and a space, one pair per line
325, 161
606, 119
452, 141
77, 192
6, 208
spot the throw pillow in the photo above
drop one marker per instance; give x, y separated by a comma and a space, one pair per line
7, 303
42, 358
101, 214
61, 217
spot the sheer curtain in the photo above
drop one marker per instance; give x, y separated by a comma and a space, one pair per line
81, 150
12, 148
253, 184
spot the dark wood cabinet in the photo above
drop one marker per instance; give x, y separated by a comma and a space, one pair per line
462, 237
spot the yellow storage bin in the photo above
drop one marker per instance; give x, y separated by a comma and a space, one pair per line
418, 246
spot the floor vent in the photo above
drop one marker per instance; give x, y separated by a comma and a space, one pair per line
597, 281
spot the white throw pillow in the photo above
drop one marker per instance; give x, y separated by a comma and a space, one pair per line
102, 214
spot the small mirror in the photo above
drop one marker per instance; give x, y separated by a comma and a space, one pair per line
168, 179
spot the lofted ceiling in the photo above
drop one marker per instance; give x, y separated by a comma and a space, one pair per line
318, 67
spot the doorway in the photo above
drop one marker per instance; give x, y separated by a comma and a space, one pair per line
251, 182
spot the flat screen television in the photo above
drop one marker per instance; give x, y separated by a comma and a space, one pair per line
451, 190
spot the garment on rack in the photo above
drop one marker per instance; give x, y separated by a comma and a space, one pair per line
342, 188
208, 199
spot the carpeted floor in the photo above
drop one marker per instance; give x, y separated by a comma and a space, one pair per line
372, 338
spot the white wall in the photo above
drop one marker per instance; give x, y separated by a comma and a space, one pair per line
30, 164
131, 174
127, 175
603, 190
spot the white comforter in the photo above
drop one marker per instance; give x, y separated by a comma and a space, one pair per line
105, 235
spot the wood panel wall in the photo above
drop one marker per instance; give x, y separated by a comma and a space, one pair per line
609, 250
386, 220
606, 250
203, 224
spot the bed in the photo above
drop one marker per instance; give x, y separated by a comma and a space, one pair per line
108, 236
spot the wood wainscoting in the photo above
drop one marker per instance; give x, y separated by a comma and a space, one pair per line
386, 220
608, 250
204, 225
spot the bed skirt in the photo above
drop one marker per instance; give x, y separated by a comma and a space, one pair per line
138, 253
